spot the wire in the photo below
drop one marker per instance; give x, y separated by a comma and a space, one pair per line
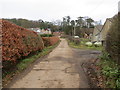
92, 11
97, 6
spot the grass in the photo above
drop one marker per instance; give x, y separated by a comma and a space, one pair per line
82, 45
25, 63
110, 70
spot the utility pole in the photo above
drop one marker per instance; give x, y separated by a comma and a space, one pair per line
74, 31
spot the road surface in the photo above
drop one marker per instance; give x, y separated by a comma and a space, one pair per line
60, 69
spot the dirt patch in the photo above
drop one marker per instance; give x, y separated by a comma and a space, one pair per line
93, 72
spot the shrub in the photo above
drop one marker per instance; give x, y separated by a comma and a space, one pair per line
76, 41
88, 44
98, 44
49, 41
113, 41
18, 42
70, 38
110, 70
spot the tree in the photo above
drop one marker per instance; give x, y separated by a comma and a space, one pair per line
80, 21
113, 40
68, 20
89, 22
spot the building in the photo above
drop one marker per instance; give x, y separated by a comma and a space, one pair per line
41, 31
38, 30
96, 33
105, 29
100, 32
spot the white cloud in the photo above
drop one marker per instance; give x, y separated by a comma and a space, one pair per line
56, 9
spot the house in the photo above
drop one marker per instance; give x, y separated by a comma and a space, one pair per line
105, 29
96, 33
38, 30
100, 32
46, 31
41, 31
87, 32
84, 32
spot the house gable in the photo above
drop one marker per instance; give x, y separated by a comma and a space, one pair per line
96, 33
105, 29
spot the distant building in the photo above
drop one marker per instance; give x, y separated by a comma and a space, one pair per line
96, 33
100, 32
105, 29
38, 30
41, 31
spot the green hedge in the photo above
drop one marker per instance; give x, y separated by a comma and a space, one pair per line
113, 40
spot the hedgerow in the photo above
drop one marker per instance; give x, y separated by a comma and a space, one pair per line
113, 40
18, 42
49, 41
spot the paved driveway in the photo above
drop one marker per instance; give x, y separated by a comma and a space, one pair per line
60, 69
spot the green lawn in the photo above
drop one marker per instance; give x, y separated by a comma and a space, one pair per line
82, 45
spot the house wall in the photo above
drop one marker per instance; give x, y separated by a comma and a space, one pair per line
105, 30
94, 37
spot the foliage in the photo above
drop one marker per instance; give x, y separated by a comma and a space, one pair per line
49, 41
110, 70
24, 63
46, 35
18, 42
73, 39
88, 44
34, 24
82, 45
69, 25
98, 44
113, 41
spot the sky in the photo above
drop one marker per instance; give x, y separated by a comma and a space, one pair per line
51, 10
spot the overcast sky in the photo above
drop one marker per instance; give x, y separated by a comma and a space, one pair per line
51, 10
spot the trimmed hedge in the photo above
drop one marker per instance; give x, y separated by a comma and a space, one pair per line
113, 40
49, 41
75, 40
18, 42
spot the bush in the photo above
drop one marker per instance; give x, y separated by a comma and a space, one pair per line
110, 70
46, 35
98, 44
88, 44
113, 41
49, 41
18, 42
76, 41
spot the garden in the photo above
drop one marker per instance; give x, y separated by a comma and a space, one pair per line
83, 43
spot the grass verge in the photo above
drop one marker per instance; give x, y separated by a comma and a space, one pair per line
110, 70
83, 46
24, 63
